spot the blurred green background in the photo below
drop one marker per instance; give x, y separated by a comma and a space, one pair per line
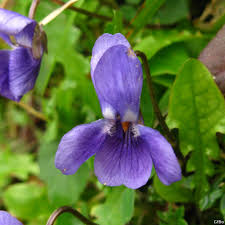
169, 32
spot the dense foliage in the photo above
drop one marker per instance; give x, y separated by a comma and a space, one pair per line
172, 34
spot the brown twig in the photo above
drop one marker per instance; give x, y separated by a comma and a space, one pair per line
31, 111
33, 8
67, 209
83, 11
108, 19
130, 32
152, 96
4, 3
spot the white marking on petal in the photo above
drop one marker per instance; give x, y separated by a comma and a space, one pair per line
108, 113
23, 40
109, 127
135, 131
130, 116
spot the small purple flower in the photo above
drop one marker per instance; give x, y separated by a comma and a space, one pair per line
20, 66
7, 219
125, 150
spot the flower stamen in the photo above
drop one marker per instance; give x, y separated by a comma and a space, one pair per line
125, 126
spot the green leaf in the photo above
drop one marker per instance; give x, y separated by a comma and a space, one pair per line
27, 201
164, 80
133, 1
164, 102
171, 12
169, 60
62, 189
172, 216
16, 165
161, 38
22, 7
208, 200
175, 192
150, 7
116, 26
222, 205
197, 108
117, 209
59, 32
146, 106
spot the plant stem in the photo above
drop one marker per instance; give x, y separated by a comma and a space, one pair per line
33, 8
67, 209
56, 12
83, 11
4, 4
152, 96
32, 111
108, 19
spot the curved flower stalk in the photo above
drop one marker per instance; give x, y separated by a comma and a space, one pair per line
20, 66
7, 219
125, 150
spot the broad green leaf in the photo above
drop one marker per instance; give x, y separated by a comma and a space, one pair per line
171, 12
169, 60
62, 189
117, 209
175, 192
162, 38
197, 108
16, 165
164, 80
148, 10
27, 201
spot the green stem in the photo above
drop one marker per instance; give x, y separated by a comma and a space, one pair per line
67, 209
152, 96
31, 111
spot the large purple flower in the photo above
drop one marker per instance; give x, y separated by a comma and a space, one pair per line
125, 150
20, 66
7, 219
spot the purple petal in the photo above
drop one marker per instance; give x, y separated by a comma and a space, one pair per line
165, 162
18, 70
7, 219
78, 145
103, 43
123, 159
12, 23
4, 72
118, 83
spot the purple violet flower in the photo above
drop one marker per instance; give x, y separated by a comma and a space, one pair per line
20, 66
125, 150
7, 219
